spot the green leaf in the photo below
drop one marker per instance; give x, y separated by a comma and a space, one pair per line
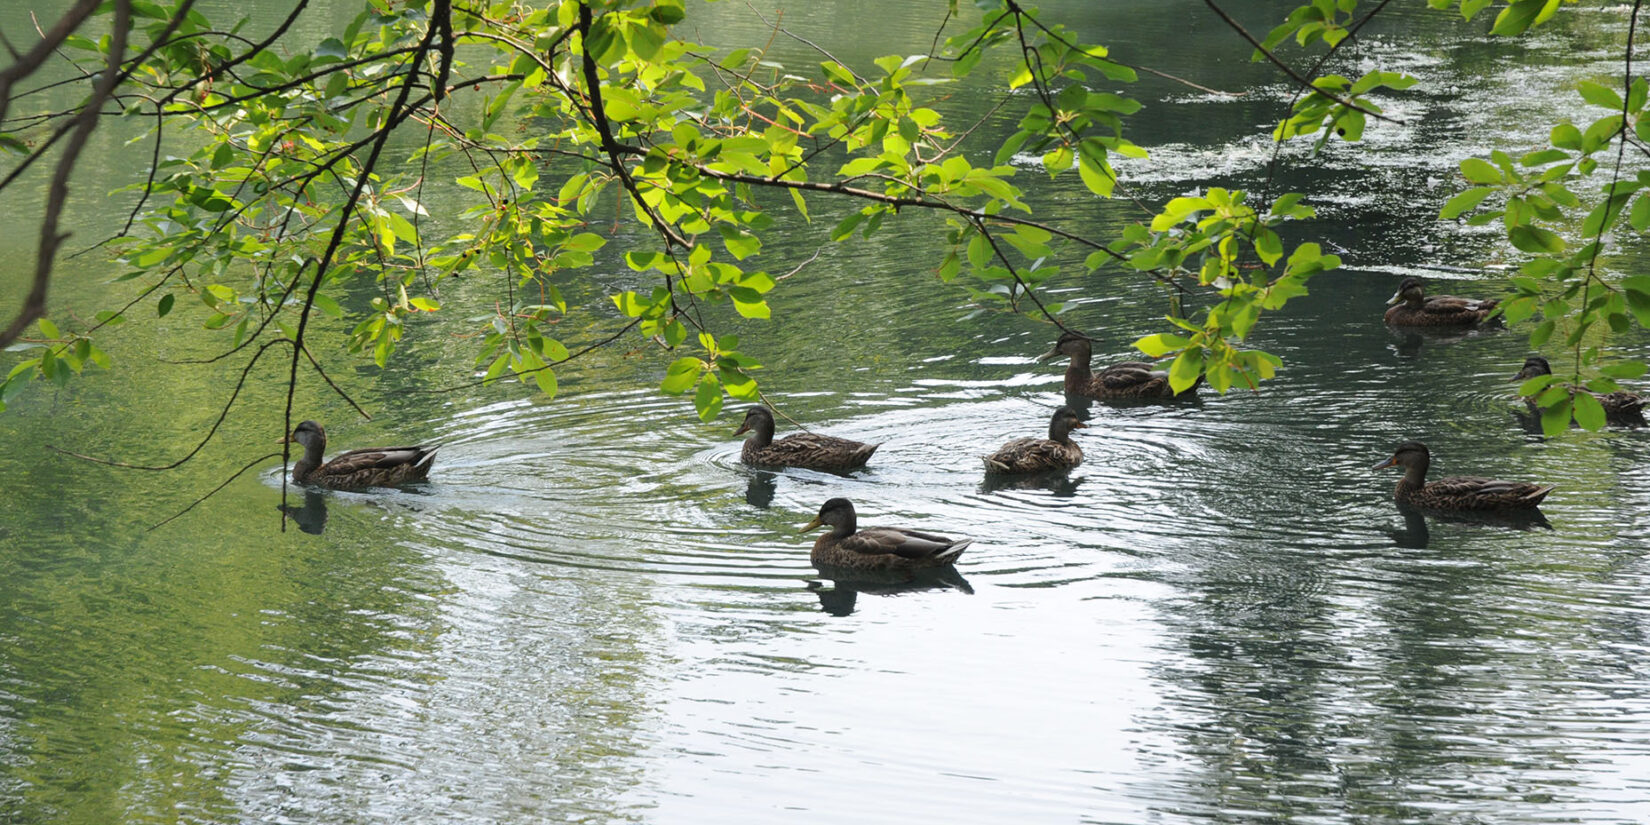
586, 242
1589, 413
1517, 17
324, 303
1184, 372
1639, 217
49, 329
1566, 136
165, 305
681, 375
1555, 419
708, 398
1624, 369
1534, 239
1161, 344
667, 12
1542, 332
751, 309
1478, 170
838, 74
1599, 94
1465, 202
546, 379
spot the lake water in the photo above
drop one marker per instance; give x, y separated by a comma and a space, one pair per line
594, 613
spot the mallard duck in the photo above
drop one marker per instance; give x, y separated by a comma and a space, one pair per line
1126, 379
353, 470
808, 450
1035, 455
1412, 308
876, 548
1459, 492
1620, 407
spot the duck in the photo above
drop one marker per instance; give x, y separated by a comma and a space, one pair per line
806, 450
1125, 379
357, 469
1620, 407
876, 548
1459, 492
1036, 455
1412, 308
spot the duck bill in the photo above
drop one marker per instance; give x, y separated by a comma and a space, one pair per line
1390, 462
288, 440
811, 525
1050, 355
1523, 375
743, 428
1396, 298
1078, 425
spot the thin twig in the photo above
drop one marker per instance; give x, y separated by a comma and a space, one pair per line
1288, 70
249, 465
602, 343
222, 414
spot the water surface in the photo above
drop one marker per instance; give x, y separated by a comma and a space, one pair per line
594, 613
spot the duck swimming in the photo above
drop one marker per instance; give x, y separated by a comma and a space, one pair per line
1035, 455
1412, 308
357, 469
1459, 492
1125, 379
807, 450
876, 548
1619, 407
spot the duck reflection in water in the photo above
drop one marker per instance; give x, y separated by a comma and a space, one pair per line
840, 597
1411, 340
311, 516
1416, 535
759, 492
1057, 482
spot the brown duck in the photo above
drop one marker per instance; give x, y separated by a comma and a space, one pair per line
1125, 379
356, 469
1619, 407
876, 548
1412, 308
807, 450
1036, 455
1459, 492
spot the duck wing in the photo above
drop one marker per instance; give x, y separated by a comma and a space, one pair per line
1128, 375
1486, 493
1030, 455
1453, 306
413, 462
1623, 403
814, 450
905, 543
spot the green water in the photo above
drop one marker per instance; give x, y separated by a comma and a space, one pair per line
594, 613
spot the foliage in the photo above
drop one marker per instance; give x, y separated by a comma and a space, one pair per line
277, 190
1543, 196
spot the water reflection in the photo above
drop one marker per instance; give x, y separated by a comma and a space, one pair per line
1409, 341
1414, 535
846, 584
594, 614
1059, 483
311, 516
759, 491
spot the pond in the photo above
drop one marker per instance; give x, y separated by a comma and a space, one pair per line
594, 612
